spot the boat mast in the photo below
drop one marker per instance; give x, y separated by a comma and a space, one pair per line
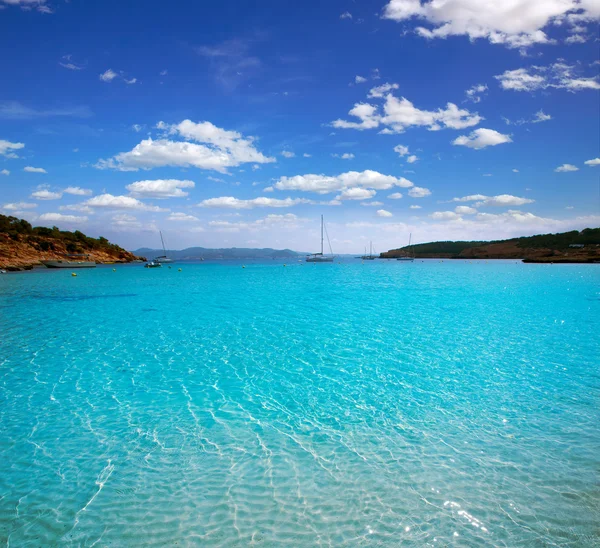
370, 249
321, 234
163, 243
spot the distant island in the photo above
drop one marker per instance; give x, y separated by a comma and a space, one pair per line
23, 246
198, 253
566, 247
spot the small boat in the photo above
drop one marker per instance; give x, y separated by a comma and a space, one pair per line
152, 264
410, 254
321, 257
71, 261
163, 259
370, 256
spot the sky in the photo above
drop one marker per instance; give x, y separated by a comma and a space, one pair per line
237, 124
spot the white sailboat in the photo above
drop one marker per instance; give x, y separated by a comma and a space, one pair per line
320, 257
163, 259
410, 254
370, 256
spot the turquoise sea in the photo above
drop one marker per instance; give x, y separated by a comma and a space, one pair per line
377, 404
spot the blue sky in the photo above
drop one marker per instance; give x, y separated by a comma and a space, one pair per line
238, 124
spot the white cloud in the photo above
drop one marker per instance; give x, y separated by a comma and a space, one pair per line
415, 207
592, 163
108, 201
515, 171
371, 204
59, 217
481, 138
576, 39
383, 213
566, 167
346, 15
380, 91
77, 207
6, 147
323, 184
229, 202
129, 82
412, 159
19, 205
220, 149
30, 169
108, 76
419, 192
356, 194
359, 79
182, 217
465, 210
474, 93
444, 215
344, 156
558, 75
160, 188
77, 191
395, 196
307, 155
287, 221
45, 194
401, 150
5, 172
541, 116
515, 24
503, 200
400, 114
287, 154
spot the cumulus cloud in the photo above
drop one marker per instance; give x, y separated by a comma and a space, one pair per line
60, 218
444, 215
229, 202
371, 204
346, 15
77, 191
287, 154
482, 138
5, 172
565, 168
465, 210
502, 200
344, 156
219, 149
380, 91
592, 163
359, 79
287, 221
515, 24
402, 150
181, 217
306, 155
557, 75
399, 114
384, 213
46, 194
77, 207
419, 192
356, 193
18, 206
108, 76
415, 207
474, 93
108, 201
6, 148
324, 184
395, 196
159, 188
30, 169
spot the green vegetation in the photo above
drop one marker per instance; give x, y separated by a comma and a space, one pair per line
48, 239
588, 236
441, 248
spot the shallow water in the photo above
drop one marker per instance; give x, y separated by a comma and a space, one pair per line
431, 404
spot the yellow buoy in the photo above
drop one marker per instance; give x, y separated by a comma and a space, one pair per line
73, 274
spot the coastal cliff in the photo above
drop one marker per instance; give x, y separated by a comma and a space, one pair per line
566, 247
23, 246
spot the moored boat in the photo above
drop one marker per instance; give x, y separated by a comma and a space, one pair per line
321, 257
71, 261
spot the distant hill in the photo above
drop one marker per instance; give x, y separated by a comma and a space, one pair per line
23, 246
543, 248
195, 253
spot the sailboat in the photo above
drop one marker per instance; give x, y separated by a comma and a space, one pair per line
410, 254
370, 256
163, 259
320, 257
